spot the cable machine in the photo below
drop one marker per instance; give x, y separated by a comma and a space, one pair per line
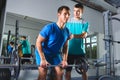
109, 46
107, 37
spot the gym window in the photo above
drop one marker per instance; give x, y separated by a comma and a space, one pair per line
91, 46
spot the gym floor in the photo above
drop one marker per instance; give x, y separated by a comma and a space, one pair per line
32, 75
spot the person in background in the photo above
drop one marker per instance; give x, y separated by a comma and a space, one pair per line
26, 50
76, 49
10, 47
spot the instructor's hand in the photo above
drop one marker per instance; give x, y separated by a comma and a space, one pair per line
83, 35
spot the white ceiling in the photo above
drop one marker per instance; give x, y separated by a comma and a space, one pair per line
106, 4
115, 3
27, 19
101, 5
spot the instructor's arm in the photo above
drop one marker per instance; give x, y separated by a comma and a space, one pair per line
83, 35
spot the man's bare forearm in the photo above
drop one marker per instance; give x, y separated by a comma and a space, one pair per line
65, 51
83, 35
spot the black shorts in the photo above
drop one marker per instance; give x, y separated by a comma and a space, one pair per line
26, 56
73, 59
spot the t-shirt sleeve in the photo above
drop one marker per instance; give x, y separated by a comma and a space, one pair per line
22, 42
45, 31
69, 33
86, 27
68, 25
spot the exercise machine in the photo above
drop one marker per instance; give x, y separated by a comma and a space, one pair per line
109, 44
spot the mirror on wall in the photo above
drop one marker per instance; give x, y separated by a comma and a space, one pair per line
28, 26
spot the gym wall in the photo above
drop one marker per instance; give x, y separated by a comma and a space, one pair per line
38, 9
26, 27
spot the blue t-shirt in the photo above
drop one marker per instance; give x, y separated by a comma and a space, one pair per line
76, 46
10, 49
55, 38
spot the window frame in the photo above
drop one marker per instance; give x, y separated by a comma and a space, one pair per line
86, 43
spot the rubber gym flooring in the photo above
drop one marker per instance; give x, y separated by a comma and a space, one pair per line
32, 75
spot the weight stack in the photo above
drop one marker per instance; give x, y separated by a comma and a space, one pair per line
5, 74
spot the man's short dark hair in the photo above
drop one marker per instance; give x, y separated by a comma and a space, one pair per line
63, 7
79, 5
11, 42
23, 37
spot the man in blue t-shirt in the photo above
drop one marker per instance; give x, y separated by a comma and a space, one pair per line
10, 48
51, 42
76, 49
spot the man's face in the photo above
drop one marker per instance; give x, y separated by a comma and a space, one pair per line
78, 12
22, 38
64, 15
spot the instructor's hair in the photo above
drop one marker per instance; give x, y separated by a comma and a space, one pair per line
79, 5
63, 7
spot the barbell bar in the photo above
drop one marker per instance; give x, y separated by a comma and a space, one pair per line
31, 66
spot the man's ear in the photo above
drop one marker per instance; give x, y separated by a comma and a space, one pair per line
58, 14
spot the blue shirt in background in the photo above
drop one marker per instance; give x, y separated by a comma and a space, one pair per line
10, 49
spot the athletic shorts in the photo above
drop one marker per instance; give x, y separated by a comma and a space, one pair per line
52, 59
73, 59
